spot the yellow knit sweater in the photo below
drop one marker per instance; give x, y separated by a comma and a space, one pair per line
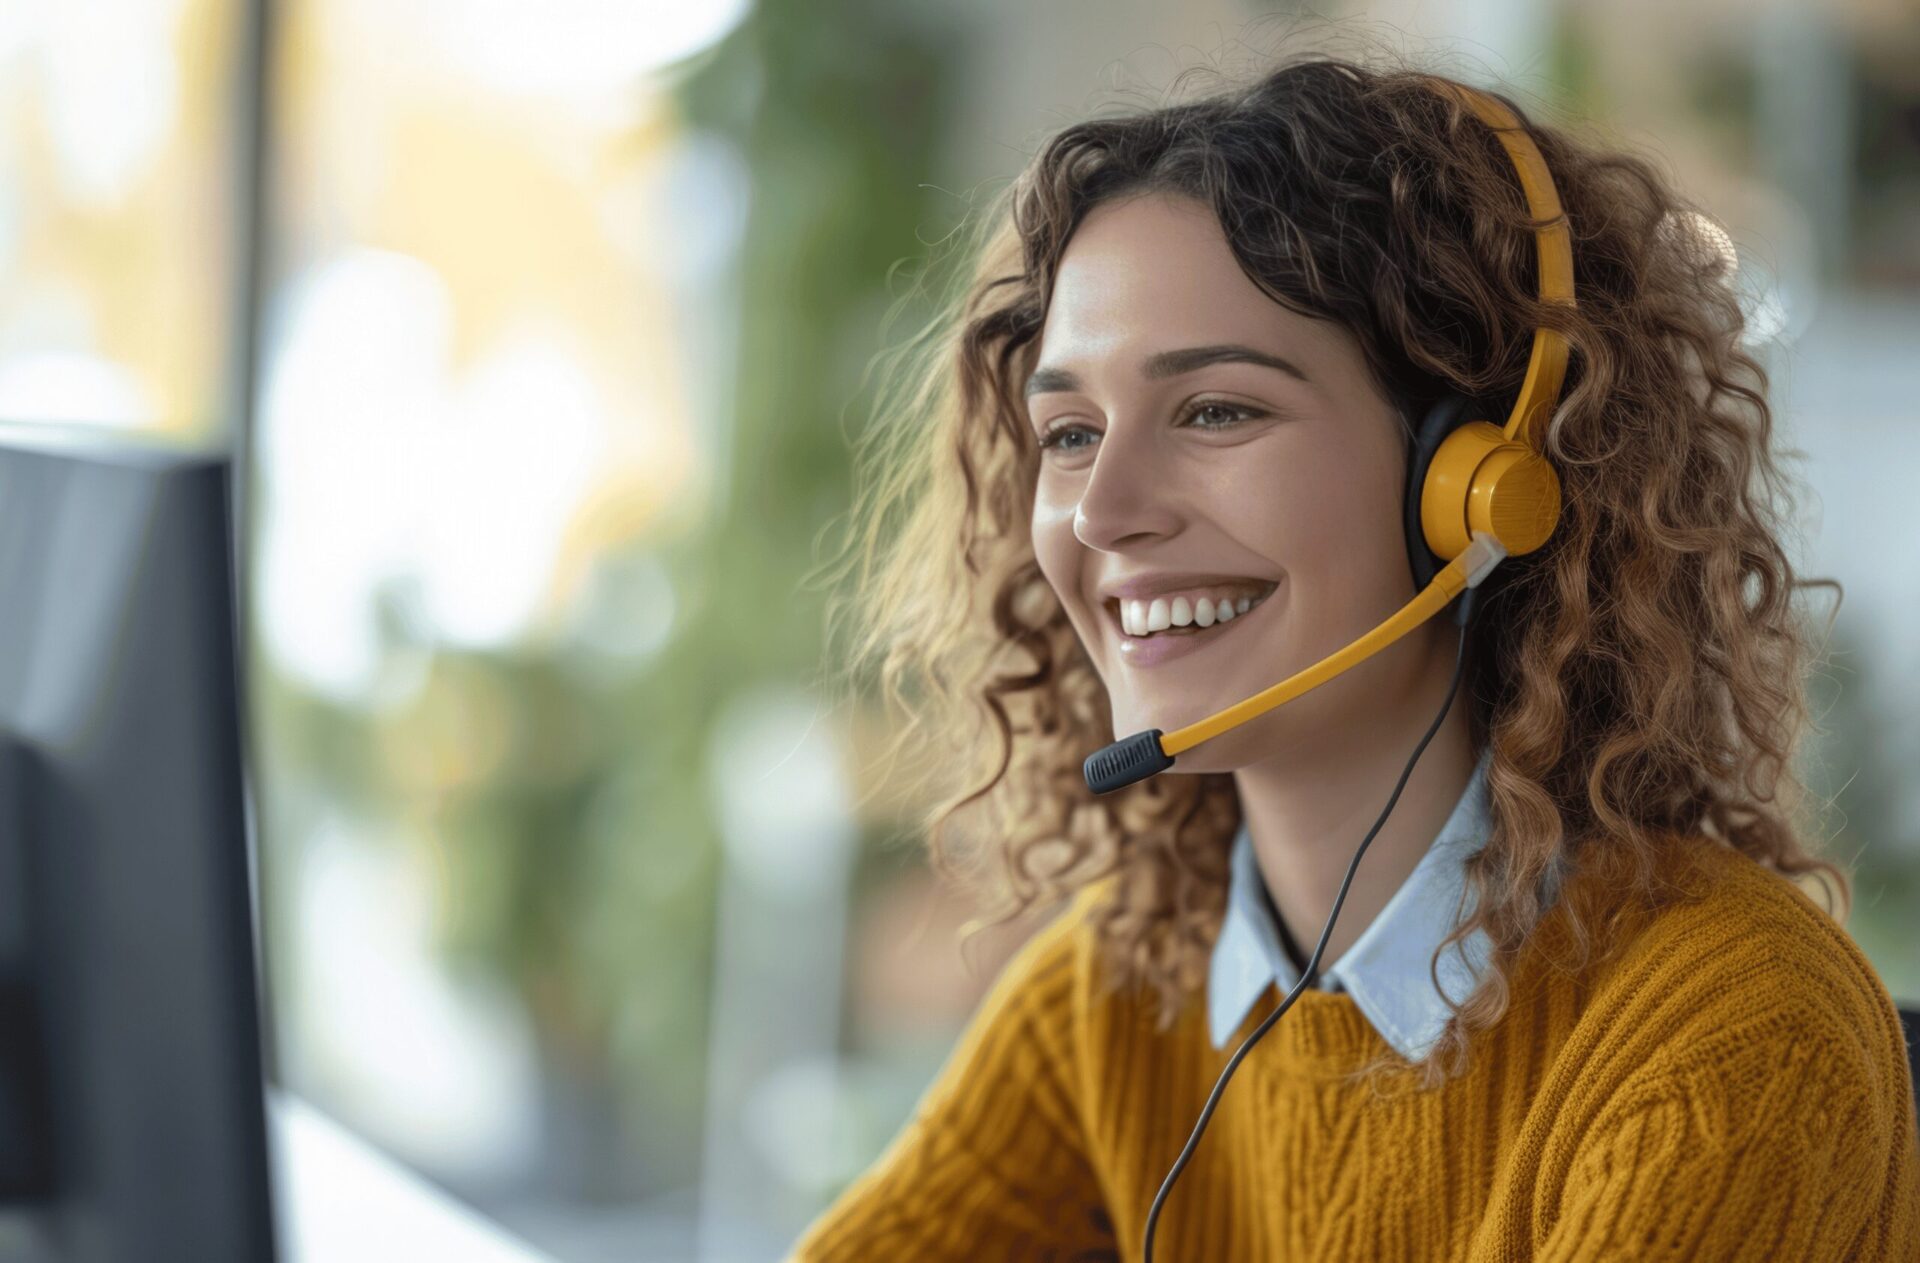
1732, 1084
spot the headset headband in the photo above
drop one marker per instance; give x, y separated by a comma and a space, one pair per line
1554, 245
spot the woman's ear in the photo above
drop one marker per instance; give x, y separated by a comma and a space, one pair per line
1435, 420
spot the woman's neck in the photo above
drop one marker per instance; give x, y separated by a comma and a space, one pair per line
1307, 815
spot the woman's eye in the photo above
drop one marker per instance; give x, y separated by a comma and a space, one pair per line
1210, 415
1057, 437
1234, 412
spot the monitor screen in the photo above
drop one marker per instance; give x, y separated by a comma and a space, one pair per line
131, 1104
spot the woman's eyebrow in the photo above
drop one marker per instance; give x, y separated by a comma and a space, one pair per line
1171, 364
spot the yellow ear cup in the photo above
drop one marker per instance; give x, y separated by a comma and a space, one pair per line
1480, 480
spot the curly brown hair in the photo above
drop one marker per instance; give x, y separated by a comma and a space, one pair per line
1640, 679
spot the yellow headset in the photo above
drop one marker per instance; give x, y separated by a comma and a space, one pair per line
1488, 494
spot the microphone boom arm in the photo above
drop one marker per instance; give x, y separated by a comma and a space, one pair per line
1141, 755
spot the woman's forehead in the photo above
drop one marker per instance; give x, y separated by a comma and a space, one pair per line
1154, 273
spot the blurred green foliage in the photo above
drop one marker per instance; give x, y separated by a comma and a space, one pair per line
1857, 766
570, 813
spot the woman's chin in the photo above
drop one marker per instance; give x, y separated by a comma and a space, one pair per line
1168, 719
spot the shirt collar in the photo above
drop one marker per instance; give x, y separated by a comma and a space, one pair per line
1386, 968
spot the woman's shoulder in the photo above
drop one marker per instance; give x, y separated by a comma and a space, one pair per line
1745, 953
1733, 915
1737, 1041
1061, 974
1044, 976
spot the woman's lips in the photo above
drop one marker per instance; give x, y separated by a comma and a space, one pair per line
1148, 651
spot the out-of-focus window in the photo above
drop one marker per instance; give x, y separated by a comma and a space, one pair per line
488, 415
116, 256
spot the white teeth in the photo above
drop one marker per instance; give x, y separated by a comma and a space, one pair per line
1145, 617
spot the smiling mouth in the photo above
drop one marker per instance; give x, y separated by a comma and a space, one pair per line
1183, 617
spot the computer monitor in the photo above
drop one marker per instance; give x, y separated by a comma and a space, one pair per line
131, 1090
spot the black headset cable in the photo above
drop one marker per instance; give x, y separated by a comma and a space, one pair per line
1463, 616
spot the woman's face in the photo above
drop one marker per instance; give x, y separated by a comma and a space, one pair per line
1205, 444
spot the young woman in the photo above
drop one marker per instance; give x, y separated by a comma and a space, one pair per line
1576, 1002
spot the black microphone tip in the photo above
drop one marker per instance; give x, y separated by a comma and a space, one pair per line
1124, 762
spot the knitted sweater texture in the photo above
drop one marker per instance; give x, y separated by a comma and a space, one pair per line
1732, 1083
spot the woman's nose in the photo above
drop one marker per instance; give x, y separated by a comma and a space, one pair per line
1126, 497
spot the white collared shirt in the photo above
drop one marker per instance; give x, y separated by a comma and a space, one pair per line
1386, 968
